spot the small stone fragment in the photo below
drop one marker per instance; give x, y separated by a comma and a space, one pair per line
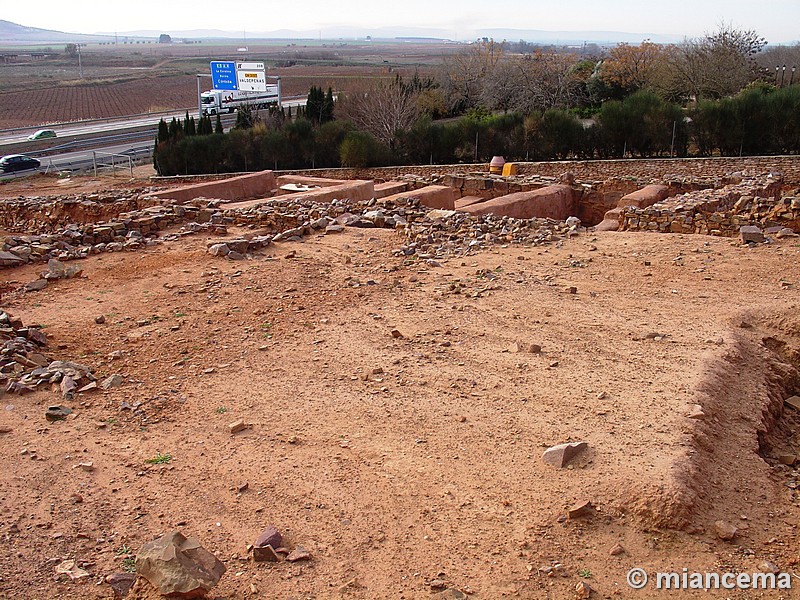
270, 536
451, 594
617, 550
237, 426
121, 583
112, 382
57, 413
580, 509
100, 319
70, 568
298, 553
396, 334
265, 554
724, 530
583, 590
787, 459
696, 412
88, 387
35, 286
793, 401
769, 567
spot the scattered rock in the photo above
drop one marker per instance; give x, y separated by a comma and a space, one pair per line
793, 401
561, 455
298, 554
580, 510
237, 426
270, 536
583, 590
70, 568
769, 567
787, 459
57, 413
617, 550
112, 382
724, 530
265, 554
751, 234
525, 347
100, 319
396, 334
121, 583
35, 286
696, 412
68, 387
450, 594
179, 566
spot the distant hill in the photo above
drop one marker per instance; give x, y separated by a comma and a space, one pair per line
13, 34
420, 33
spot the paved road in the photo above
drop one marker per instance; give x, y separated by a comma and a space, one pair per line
108, 126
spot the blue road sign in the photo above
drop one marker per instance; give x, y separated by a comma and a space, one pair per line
223, 75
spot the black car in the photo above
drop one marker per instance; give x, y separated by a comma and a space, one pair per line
18, 162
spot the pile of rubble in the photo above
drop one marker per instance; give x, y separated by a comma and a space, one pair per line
128, 231
429, 233
24, 367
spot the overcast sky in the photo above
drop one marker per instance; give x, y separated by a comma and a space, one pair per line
777, 20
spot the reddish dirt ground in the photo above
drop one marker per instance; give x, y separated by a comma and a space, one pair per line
398, 462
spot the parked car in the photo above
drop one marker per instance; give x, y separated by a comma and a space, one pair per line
18, 162
42, 134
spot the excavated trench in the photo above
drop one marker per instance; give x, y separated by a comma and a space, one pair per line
742, 448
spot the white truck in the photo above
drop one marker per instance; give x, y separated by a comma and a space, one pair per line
221, 101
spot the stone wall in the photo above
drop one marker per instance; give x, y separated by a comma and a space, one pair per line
595, 170
252, 185
718, 212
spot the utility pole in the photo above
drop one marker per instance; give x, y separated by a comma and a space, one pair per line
80, 65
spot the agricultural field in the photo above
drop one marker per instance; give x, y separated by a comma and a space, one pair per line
119, 81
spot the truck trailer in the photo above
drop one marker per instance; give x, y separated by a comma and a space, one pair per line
222, 101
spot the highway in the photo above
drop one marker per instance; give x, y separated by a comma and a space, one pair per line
102, 144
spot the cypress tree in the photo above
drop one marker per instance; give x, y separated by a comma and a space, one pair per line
218, 127
186, 124
163, 131
327, 107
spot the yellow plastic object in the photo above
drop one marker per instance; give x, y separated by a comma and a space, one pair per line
509, 169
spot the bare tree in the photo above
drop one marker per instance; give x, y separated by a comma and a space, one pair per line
534, 82
718, 65
382, 109
464, 73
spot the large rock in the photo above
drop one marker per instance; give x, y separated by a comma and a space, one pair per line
751, 234
179, 566
560, 456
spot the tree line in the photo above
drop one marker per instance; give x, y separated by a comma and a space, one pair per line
704, 97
